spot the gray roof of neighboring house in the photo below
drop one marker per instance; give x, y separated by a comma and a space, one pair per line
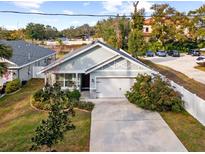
24, 53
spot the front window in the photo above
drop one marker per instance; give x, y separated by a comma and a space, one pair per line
60, 79
146, 29
66, 80
69, 80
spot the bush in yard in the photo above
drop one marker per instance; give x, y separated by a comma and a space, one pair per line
154, 94
73, 95
84, 105
52, 130
38, 95
42, 99
13, 86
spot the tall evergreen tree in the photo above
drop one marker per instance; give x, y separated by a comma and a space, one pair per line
136, 43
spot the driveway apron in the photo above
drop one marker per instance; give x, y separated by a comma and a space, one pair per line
118, 125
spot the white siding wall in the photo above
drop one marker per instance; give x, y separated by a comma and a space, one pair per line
131, 70
26, 72
84, 61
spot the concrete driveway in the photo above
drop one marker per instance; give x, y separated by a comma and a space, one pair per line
118, 125
184, 64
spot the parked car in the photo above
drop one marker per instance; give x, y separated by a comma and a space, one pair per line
201, 60
150, 54
190, 51
176, 53
170, 52
196, 53
161, 53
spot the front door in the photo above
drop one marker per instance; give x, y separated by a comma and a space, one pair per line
85, 82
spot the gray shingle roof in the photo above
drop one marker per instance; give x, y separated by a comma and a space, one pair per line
24, 52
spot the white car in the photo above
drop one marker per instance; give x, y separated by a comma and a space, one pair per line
201, 60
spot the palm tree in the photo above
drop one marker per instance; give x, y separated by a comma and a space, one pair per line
5, 53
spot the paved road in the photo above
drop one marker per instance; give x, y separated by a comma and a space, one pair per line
184, 64
119, 126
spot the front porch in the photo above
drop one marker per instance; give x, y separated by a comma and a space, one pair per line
71, 81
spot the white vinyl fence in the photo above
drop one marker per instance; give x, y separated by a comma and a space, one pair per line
193, 103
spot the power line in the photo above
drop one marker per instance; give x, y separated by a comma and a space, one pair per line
65, 14
80, 15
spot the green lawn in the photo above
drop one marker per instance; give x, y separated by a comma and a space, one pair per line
18, 122
190, 132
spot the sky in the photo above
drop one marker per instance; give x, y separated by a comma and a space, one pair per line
14, 21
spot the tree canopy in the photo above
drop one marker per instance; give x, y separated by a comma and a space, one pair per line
5, 53
136, 43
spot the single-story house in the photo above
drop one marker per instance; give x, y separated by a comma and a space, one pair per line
27, 59
101, 70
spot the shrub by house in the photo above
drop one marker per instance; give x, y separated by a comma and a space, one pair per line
13, 86
152, 93
41, 99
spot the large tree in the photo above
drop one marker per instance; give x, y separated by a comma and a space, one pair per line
41, 32
5, 53
197, 25
136, 43
169, 28
114, 31
35, 31
78, 32
162, 29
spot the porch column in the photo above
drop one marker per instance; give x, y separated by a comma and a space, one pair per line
76, 81
45, 79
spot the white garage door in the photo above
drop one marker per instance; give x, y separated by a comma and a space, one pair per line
113, 87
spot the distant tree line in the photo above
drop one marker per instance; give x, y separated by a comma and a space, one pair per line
171, 29
35, 31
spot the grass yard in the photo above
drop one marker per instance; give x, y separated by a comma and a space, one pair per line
190, 84
201, 68
190, 132
18, 122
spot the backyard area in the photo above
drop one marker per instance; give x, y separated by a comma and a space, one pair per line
18, 120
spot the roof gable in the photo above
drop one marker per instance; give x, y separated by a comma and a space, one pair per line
120, 52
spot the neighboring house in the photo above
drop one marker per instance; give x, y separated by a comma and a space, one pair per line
72, 41
97, 68
147, 28
26, 61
